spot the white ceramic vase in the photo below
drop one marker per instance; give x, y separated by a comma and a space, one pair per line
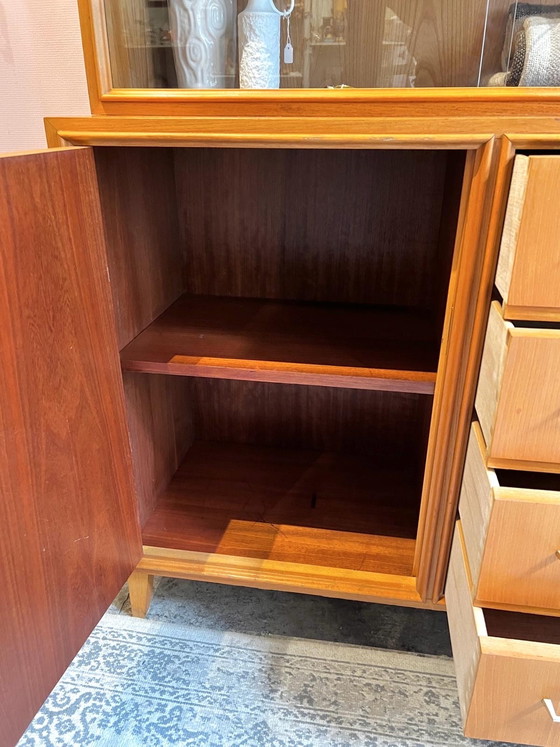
202, 30
259, 45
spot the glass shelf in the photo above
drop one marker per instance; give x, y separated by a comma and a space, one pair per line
228, 44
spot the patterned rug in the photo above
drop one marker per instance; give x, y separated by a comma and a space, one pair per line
142, 683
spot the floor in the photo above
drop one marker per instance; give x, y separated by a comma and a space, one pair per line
223, 666
253, 611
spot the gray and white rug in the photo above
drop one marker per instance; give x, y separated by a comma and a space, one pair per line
140, 682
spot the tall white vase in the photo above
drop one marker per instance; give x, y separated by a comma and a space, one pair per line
202, 30
259, 45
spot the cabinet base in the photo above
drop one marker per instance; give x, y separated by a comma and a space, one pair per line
340, 583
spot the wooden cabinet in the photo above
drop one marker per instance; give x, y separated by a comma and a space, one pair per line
279, 316
298, 314
280, 359
502, 591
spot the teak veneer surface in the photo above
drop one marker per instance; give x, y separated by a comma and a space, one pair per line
527, 273
317, 508
388, 428
161, 431
166, 413
70, 534
329, 226
348, 346
139, 207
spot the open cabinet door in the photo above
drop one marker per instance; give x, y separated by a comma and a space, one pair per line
69, 533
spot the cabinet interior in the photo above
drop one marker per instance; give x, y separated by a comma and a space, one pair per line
279, 314
511, 478
522, 626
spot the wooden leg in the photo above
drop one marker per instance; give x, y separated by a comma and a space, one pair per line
141, 590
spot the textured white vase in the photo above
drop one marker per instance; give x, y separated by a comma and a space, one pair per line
259, 45
202, 31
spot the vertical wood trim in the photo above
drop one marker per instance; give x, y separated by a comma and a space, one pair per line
476, 500
96, 51
512, 224
467, 312
426, 516
492, 367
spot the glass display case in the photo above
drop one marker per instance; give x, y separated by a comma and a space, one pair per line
290, 44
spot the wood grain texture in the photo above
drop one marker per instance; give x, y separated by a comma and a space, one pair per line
146, 260
294, 577
141, 591
368, 124
288, 505
520, 566
466, 624
520, 419
512, 532
472, 275
390, 428
502, 680
368, 219
71, 534
530, 255
309, 476
160, 425
463, 110
512, 224
430, 43
349, 346
96, 51
476, 500
130, 59
512, 681
492, 369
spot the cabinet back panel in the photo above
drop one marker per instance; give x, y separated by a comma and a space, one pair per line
391, 427
316, 225
145, 254
167, 413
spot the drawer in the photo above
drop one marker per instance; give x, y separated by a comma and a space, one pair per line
511, 525
529, 264
507, 665
518, 396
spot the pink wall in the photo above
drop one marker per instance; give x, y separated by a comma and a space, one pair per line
41, 69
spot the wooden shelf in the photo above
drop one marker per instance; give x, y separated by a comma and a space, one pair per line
287, 505
357, 347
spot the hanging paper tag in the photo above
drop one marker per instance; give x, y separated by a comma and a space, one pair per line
288, 54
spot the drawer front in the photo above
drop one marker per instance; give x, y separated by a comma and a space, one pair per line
529, 264
518, 396
511, 536
502, 682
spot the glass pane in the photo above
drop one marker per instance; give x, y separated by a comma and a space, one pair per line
527, 46
217, 44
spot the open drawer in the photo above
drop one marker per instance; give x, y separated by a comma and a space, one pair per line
511, 524
507, 664
518, 396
